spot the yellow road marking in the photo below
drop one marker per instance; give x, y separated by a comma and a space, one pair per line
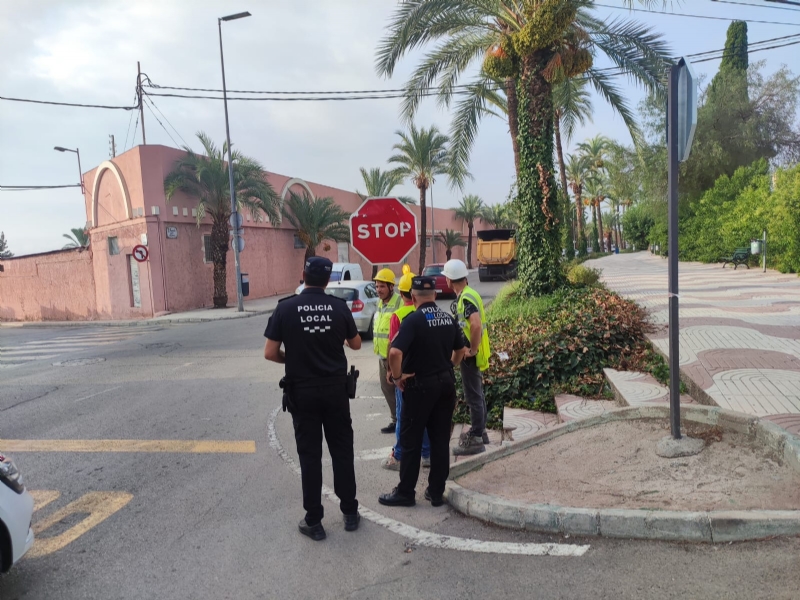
98, 505
42, 498
184, 446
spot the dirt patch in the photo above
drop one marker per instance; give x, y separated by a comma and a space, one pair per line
614, 465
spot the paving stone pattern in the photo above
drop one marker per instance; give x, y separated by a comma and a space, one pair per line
740, 331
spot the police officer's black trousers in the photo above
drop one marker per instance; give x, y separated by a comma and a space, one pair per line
316, 408
427, 402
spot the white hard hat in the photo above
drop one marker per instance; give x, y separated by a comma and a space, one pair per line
454, 269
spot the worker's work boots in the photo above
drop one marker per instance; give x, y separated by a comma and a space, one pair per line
472, 444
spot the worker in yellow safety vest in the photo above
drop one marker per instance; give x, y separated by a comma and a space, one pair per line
388, 302
471, 317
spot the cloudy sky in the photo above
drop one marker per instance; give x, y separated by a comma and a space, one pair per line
86, 52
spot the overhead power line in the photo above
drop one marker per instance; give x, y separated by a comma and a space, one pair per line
674, 14
26, 188
153, 104
755, 5
68, 104
750, 51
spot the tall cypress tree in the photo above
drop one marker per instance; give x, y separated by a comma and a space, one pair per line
732, 74
735, 56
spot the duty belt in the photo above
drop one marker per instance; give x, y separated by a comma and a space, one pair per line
317, 382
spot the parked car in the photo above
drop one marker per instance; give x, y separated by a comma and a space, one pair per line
341, 272
442, 289
16, 509
362, 300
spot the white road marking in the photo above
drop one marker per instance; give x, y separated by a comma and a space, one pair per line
372, 416
427, 538
98, 393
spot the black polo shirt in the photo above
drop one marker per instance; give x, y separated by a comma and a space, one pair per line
313, 327
427, 338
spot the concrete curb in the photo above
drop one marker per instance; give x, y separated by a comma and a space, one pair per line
645, 524
133, 323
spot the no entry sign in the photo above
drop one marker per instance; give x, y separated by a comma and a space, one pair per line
383, 230
140, 253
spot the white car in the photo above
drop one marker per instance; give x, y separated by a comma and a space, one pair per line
362, 300
341, 272
16, 509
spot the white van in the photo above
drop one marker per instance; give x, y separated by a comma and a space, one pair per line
341, 272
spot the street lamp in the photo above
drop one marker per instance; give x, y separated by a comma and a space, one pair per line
80, 172
234, 212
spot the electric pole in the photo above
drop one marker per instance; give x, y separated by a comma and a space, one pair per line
112, 146
141, 103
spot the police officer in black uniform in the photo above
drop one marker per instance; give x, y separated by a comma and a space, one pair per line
421, 359
313, 327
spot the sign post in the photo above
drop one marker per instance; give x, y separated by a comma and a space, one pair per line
681, 125
383, 230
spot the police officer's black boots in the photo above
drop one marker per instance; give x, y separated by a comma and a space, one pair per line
315, 532
351, 522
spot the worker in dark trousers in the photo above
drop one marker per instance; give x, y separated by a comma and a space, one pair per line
313, 328
421, 360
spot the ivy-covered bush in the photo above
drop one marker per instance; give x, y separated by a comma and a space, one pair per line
559, 343
580, 275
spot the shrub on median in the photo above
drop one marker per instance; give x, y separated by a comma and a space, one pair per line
557, 343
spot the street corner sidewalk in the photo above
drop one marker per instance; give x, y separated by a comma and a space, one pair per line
252, 308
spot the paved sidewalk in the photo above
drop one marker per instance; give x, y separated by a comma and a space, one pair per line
740, 330
252, 308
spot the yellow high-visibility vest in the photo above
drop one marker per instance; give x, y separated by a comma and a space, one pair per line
380, 326
482, 357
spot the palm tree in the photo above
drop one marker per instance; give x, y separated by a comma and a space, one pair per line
498, 216
573, 106
206, 179
379, 184
450, 239
468, 210
79, 238
422, 155
316, 219
595, 189
594, 151
576, 172
529, 45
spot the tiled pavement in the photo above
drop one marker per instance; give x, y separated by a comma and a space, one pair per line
740, 330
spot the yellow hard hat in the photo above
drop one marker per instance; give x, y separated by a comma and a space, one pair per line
385, 275
405, 279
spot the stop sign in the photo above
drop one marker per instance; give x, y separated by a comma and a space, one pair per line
383, 230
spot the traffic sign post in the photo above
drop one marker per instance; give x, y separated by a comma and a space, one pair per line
681, 125
140, 253
383, 230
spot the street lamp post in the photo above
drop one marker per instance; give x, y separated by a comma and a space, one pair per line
80, 172
234, 211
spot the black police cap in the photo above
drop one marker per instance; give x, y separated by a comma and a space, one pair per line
423, 283
318, 266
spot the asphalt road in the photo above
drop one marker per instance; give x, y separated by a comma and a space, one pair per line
183, 520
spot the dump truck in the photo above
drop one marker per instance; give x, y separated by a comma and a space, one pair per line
497, 254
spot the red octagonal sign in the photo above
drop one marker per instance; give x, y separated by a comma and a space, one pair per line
383, 230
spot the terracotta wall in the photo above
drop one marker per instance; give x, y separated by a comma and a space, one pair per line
57, 286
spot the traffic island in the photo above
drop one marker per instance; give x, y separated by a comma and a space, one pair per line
601, 476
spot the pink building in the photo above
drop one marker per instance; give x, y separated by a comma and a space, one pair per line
126, 206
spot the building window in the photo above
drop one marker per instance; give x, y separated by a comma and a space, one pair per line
207, 257
113, 246
298, 243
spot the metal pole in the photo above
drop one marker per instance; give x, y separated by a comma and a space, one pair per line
141, 103
764, 253
239, 299
674, 327
433, 226
80, 171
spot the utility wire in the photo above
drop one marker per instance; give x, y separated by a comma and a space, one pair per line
755, 5
153, 104
750, 51
674, 14
130, 120
68, 104
135, 127
155, 116
27, 188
